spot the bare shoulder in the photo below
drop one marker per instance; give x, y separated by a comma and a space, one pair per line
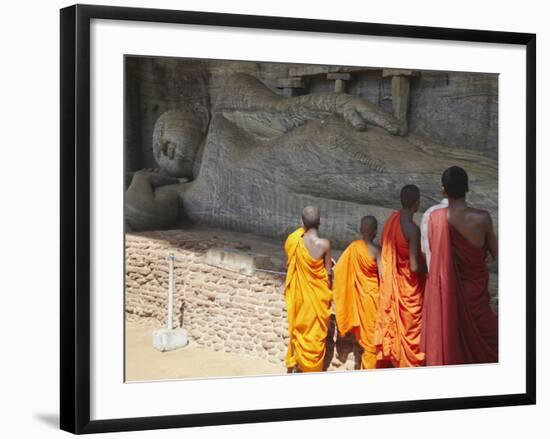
411, 230
480, 216
375, 249
324, 243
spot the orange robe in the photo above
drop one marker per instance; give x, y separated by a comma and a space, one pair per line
308, 299
355, 290
398, 324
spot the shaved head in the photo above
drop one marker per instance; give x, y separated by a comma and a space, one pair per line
455, 182
369, 226
311, 217
410, 195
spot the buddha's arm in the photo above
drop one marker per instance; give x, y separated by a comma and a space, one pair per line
149, 204
244, 93
356, 111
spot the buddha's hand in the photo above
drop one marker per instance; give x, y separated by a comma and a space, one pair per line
359, 112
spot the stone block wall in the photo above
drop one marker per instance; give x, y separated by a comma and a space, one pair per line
221, 310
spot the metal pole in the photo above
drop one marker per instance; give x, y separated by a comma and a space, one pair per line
170, 290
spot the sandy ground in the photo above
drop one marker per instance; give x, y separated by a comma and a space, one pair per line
144, 363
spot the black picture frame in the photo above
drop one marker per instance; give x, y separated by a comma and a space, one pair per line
75, 216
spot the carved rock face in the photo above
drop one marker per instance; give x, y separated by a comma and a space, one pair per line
176, 138
260, 186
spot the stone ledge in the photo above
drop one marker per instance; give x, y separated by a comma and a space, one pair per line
237, 261
341, 76
387, 73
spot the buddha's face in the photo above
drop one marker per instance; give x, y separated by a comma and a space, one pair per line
176, 138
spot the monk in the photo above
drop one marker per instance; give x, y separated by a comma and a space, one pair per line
424, 243
398, 324
459, 326
307, 294
355, 290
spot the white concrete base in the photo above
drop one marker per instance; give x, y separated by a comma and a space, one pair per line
166, 340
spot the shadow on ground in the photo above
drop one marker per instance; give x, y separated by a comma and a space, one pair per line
49, 419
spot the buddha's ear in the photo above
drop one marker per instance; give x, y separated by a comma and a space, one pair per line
202, 112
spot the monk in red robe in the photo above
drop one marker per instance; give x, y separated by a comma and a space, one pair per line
355, 290
459, 326
398, 325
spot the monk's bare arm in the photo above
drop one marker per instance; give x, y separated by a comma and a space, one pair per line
418, 265
491, 239
328, 262
377, 254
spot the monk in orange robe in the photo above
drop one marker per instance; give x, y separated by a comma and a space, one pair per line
355, 290
307, 294
398, 324
459, 326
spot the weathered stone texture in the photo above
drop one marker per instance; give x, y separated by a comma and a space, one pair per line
260, 187
152, 87
457, 109
254, 159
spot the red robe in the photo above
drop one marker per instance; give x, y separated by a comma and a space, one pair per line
398, 323
458, 324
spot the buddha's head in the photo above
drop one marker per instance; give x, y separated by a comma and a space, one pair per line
177, 137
